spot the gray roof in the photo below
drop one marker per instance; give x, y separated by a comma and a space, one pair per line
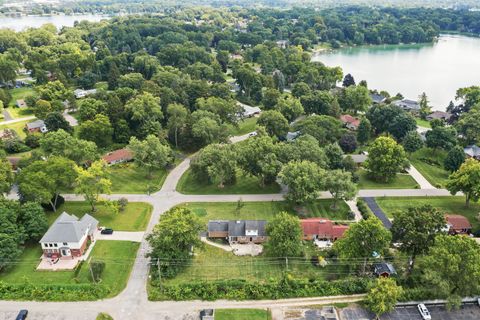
237, 228
439, 115
292, 135
217, 225
68, 228
407, 104
35, 124
377, 98
472, 150
358, 158
384, 267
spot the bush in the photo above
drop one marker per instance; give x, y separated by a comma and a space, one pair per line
104, 316
96, 270
32, 140
15, 146
363, 208
122, 203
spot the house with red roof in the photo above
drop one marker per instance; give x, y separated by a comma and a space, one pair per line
457, 224
322, 229
350, 122
118, 156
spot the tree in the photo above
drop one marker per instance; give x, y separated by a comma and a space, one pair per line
98, 130
385, 159
290, 107
383, 296
92, 182
469, 125
177, 119
304, 180
150, 153
42, 108
355, 98
33, 219
381, 116
227, 110
334, 155
207, 128
364, 131
274, 122
425, 109
217, 163
415, 229
467, 180
55, 121
363, 239
401, 125
284, 236
320, 102
339, 183
172, 240
300, 89
348, 80
270, 98
54, 91
144, 107
348, 143
6, 176
454, 159
60, 143
451, 268
441, 138
90, 107
325, 129
305, 147
9, 249
412, 142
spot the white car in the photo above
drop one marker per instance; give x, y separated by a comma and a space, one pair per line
424, 312
253, 134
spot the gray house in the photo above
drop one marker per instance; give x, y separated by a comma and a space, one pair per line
238, 231
408, 105
377, 98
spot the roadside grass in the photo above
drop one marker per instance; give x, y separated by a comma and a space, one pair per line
401, 181
130, 178
135, 217
20, 93
423, 123
450, 205
244, 184
17, 127
114, 277
242, 314
266, 210
430, 164
245, 126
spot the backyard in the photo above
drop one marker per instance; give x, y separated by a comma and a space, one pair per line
135, 217
451, 205
430, 164
114, 277
129, 178
244, 184
401, 181
242, 314
266, 210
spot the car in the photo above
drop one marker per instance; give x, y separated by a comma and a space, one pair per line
22, 315
424, 312
253, 134
106, 231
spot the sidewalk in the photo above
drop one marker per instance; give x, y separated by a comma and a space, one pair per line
424, 184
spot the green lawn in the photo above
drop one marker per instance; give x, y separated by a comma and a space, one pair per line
245, 184
451, 205
17, 127
430, 165
134, 218
266, 210
114, 277
129, 178
401, 181
245, 126
423, 123
242, 314
20, 93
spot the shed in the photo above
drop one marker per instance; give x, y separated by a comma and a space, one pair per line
384, 269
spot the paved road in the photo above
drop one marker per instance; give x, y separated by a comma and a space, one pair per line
378, 212
122, 236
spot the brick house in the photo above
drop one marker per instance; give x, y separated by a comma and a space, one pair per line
457, 224
36, 126
322, 229
68, 236
238, 231
118, 156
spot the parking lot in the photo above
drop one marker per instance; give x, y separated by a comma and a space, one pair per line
466, 312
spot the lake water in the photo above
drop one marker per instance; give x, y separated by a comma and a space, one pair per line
437, 69
20, 23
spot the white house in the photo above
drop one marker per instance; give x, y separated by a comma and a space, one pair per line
80, 93
248, 111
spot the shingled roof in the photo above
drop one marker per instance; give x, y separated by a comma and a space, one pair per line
68, 228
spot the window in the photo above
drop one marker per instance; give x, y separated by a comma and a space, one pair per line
65, 244
55, 245
50, 245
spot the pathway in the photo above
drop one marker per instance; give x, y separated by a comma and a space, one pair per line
419, 178
70, 119
352, 204
378, 212
6, 115
216, 245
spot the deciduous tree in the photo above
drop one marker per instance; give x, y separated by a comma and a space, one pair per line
385, 159
284, 236
339, 183
467, 180
150, 153
92, 182
304, 180
383, 296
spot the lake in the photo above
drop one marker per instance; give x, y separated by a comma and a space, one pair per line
20, 23
437, 69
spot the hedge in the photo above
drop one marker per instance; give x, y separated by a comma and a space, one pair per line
235, 289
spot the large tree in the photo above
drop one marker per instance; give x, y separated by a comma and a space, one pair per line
33, 220
284, 236
355, 99
466, 180
385, 159
6, 176
60, 143
383, 296
56, 121
150, 153
415, 229
217, 163
227, 110
173, 239
274, 122
177, 119
98, 130
304, 179
441, 138
454, 159
364, 131
92, 182
339, 183
412, 142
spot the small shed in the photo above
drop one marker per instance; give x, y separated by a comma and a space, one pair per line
384, 269
21, 103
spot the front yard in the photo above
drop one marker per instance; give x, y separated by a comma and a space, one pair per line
245, 184
17, 127
401, 181
245, 126
129, 178
430, 165
450, 205
119, 257
266, 210
134, 218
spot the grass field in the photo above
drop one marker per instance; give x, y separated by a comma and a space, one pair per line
401, 181
242, 314
20, 93
129, 178
17, 127
246, 126
19, 112
244, 185
114, 277
452, 205
430, 165
266, 210
423, 123
134, 218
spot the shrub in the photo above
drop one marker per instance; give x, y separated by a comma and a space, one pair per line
15, 145
363, 208
122, 203
32, 140
96, 270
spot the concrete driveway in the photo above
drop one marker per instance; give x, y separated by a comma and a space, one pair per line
122, 236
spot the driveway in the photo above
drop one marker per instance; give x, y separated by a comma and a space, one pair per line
378, 212
122, 236
419, 178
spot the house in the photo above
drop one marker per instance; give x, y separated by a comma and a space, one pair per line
384, 269
37, 126
350, 122
118, 156
238, 231
377, 98
472, 151
441, 115
292, 135
457, 224
322, 229
408, 105
248, 111
21, 103
80, 93
282, 44
359, 159
68, 236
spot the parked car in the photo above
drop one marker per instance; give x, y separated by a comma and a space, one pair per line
424, 312
106, 231
253, 134
22, 315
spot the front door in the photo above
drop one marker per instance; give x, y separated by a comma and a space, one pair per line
64, 252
